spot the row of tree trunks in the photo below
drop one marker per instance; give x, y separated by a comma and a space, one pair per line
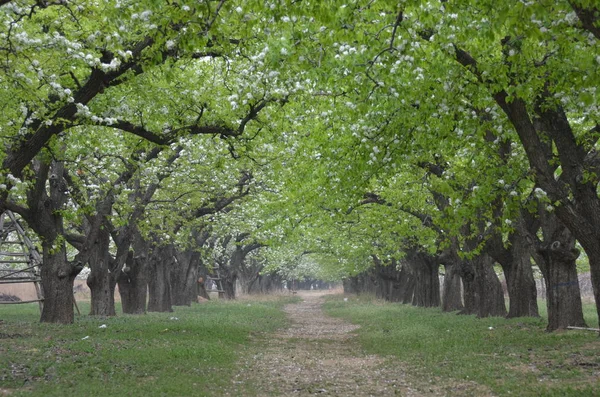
473, 287
541, 122
267, 283
416, 281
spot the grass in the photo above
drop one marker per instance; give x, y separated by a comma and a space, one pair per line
509, 357
191, 351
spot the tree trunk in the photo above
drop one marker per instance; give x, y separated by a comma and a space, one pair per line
44, 217
563, 297
579, 208
451, 295
488, 287
192, 286
467, 273
399, 285
427, 281
201, 289
391, 282
246, 281
58, 277
590, 241
349, 285
159, 283
101, 281
229, 287
522, 292
557, 261
184, 277
408, 287
133, 285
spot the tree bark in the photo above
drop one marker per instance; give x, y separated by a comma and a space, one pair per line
451, 295
516, 265
556, 258
228, 284
58, 276
488, 287
248, 274
349, 285
100, 280
159, 279
43, 215
522, 292
133, 285
427, 281
562, 286
184, 277
467, 274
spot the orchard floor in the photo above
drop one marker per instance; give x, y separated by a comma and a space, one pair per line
318, 355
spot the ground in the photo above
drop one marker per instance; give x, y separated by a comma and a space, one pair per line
319, 354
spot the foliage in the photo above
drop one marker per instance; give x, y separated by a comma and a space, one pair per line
321, 103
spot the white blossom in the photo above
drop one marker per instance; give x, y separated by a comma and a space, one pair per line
539, 193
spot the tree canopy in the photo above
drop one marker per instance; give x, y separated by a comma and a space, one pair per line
325, 133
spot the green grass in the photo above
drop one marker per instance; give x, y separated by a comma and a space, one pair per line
191, 351
515, 357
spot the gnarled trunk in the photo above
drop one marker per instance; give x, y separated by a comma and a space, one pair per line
58, 276
488, 287
184, 278
516, 265
133, 285
590, 241
451, 293
427, 281
522, 292
159, 279
229, 286
467, 274
44, 217
557, 263
392, 282
101, 281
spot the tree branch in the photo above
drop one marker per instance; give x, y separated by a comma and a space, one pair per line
589, 17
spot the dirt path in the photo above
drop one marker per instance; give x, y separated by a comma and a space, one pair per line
318, 354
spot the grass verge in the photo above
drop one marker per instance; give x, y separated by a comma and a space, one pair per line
191, 351
510, 357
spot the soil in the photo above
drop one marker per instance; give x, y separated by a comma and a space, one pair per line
320, 355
